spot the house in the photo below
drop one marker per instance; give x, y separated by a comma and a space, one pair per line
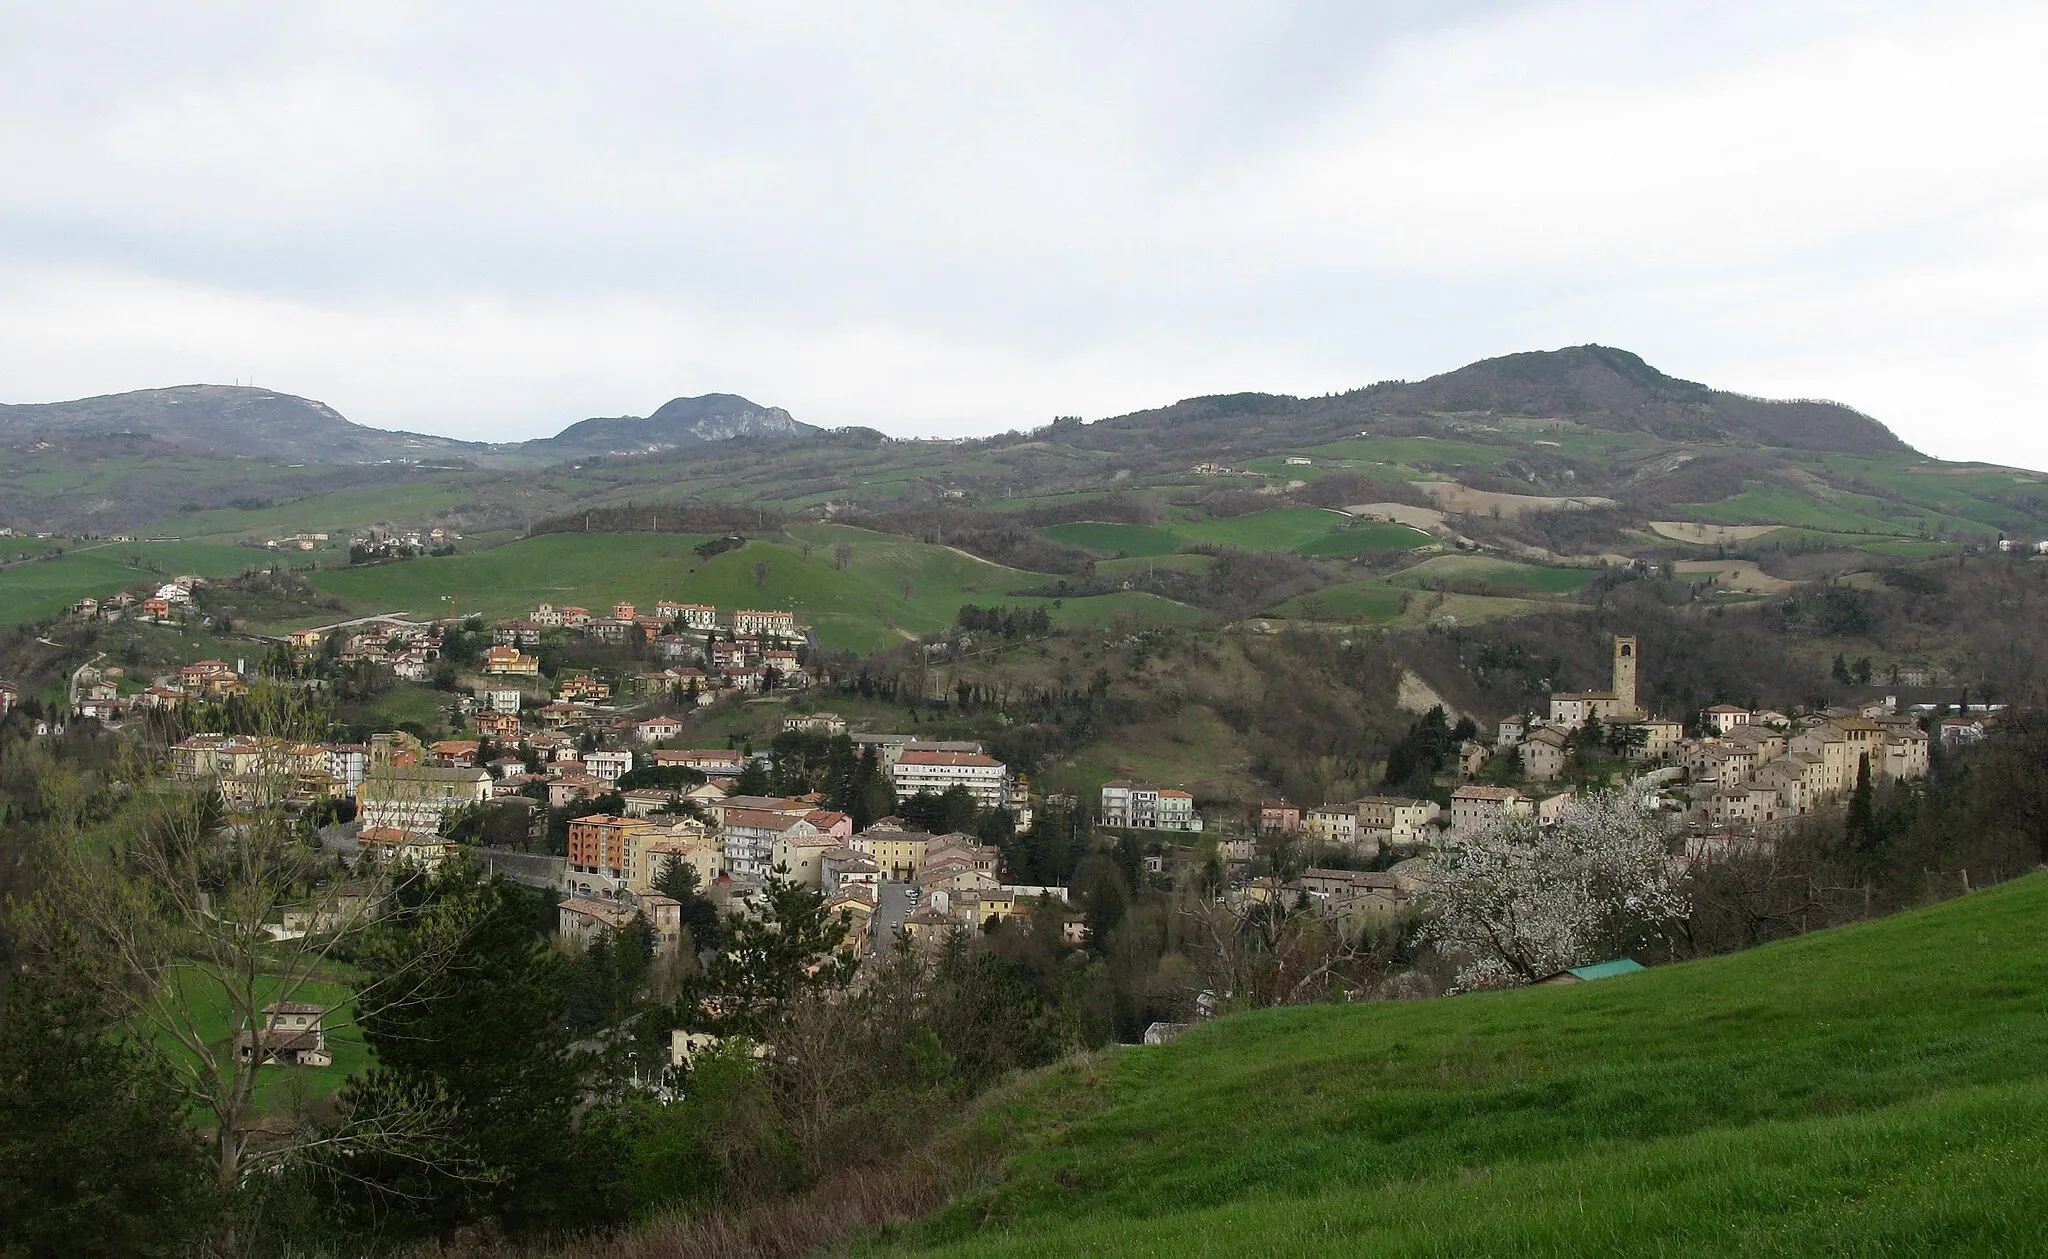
582, 919
1280, 816
984, 777
1393, 819
657, 729
458, 753
512, 662
1471, 758
1659, 737
751, 836
1473, 809
499, 699
1598, 970
501, 726
815, 723
1331, 824
1570, 710
291, 1035
1545, 754
10, 695
1722, 718
1141, 806
1510, 732
389, 846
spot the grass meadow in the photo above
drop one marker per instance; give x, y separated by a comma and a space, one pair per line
1876, 1090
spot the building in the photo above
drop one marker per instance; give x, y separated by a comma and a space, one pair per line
1393, 819
1571, 709
511, 662
1142, 806
1723, 718
657, 729
608, 767
765, 624
1473, 809
416, 799
599, 855
985, 778
898, 853
499, 699
815, 723
724, 762
1511, 731
1280, 816
1545, 754
751, 836
291, 1035
1331, 824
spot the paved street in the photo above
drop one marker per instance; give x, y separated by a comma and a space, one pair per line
888, 919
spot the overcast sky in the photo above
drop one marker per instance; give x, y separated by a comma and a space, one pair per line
491, 219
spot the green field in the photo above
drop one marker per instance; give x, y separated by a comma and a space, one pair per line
1109, 539
1502, 576
1304, 530
1775, 505
1879, 1090
891, 588
42, 588
278, 1087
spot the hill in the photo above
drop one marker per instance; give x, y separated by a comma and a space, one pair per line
228, 420
1876, 1089
678, 422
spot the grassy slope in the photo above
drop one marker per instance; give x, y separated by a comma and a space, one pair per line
1876, 1090
890, 586
1307, 530
41, 588
279, 1087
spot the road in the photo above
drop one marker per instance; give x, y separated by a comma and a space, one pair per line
71, 699
891, 911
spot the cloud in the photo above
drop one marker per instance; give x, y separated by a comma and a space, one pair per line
492, 220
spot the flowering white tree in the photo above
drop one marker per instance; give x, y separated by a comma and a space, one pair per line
1520, 901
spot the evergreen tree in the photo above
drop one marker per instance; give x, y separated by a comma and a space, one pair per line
487, 1029
678, 881
788, 947
1840, 672
754, 780
97, 1156
1860, 829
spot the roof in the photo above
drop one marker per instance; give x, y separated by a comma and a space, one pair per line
1727, 708
1487, 793
294, 1007
1602, 970
968, 759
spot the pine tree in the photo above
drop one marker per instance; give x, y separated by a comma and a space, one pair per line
96, 1154
1859, 829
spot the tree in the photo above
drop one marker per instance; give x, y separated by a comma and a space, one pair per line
1519, 901
678, 881
1840, 671
753, 779
488, 1032
96, 1155
788, 948
171, 926
1859, 827
761, 570
842, 554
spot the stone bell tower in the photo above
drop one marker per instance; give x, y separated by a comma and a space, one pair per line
1625, 677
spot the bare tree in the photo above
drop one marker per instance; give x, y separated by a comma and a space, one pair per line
842, 554
194, 929
761, 569
803, 547
1271, 950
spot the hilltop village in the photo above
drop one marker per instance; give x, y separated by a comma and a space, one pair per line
585, 782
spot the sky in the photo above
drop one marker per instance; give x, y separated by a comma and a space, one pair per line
489, 220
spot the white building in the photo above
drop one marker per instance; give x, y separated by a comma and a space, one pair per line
918, 771
1142, 806
608, 767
